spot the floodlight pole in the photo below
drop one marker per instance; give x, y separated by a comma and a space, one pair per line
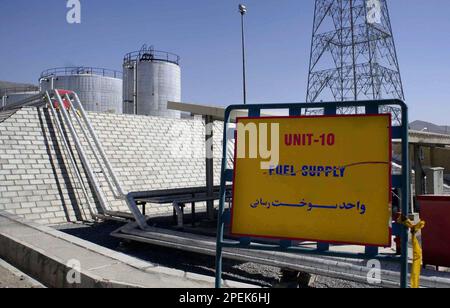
243, 11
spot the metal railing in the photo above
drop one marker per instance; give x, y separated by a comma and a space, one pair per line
149, 54
37, 100
15, 90
69, 153
71, 107
81, 70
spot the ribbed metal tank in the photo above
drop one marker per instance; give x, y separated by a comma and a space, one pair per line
99, 89
11, 96
151, 78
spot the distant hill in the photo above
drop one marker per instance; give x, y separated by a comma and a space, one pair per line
429, 127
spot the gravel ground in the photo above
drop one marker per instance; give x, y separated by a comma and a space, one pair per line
252, 273
13, 278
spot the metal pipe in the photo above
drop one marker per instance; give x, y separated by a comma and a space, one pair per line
101, 197
97, 157
209, 135
47, 79
96, 140
71, 158
345, 268
40, 83
405, 196
244, 79
4, 97
135, 87
140, 219
220, 220
111, 218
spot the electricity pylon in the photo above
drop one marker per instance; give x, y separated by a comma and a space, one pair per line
353, 55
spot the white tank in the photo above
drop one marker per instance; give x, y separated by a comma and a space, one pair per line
99, 90
150, 79
11, 96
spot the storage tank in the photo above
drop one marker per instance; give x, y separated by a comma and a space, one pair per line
151, 78
14, 95
99, 89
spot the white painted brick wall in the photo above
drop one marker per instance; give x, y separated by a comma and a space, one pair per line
148, 153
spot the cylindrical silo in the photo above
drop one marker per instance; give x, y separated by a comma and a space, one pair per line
11, 96
151, 78
99, 89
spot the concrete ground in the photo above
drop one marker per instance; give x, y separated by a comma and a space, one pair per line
11, 277
250, 273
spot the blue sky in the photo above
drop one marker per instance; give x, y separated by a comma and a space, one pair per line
205, 33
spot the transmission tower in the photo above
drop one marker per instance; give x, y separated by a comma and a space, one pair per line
353, 55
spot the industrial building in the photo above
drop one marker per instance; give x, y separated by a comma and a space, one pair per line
97, 149
151, 78
99, 89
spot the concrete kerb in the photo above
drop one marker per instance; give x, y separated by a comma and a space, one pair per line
20, 275
52, 271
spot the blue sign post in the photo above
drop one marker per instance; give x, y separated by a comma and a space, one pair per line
401, 182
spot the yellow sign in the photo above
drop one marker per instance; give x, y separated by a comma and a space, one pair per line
325, 179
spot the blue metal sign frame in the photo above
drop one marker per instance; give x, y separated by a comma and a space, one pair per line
399, 132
